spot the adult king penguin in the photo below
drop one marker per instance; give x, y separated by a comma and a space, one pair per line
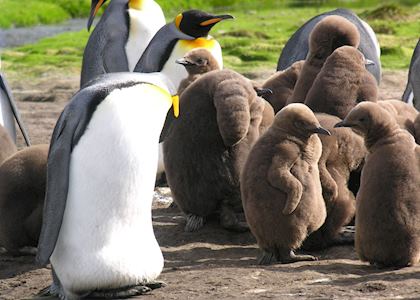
297, 47
194, 23
412, 91
9, 112
120, 37
97, 225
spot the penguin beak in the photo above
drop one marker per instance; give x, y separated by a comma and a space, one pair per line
96, 5
321, 130
175, 104
261, 92
184, 62
215, 19
342, 124
369, 62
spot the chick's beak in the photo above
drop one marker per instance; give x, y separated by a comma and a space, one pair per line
184, 62
321, 130
96, 5
341, 124
215, 19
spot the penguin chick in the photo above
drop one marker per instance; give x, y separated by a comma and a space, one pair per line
196, 62
342, 83
342, 153
387, 205
22, 192
329, 34
7, 146
282, 84
403, 113
207, 145
280, 185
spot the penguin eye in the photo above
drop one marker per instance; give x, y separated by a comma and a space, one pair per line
200, 61
362, 120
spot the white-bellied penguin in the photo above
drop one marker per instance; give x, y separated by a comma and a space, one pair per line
159, 58
412, 91
120, 37
9, 112
297, 47
97, 224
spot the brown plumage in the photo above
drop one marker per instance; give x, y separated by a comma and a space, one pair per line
282, 84
197, 62
280, 185
267, 117
7, 146
220, 116
342, 153
387, 205
342, 83
22, 191
329, 34
404, 113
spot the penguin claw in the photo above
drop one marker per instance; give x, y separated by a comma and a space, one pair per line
131, 291
267, 258
194, 223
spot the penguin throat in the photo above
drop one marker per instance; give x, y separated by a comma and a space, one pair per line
136, 4
202, 42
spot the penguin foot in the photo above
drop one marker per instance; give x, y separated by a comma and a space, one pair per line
344, 238
290, 257
229, 221
173, 205
267, 258
126, 292
194, 223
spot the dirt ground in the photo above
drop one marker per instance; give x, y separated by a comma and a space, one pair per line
212, 263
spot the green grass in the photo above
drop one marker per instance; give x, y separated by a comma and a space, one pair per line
252, 42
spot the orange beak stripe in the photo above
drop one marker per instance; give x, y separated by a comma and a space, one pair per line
98, 6
210, 22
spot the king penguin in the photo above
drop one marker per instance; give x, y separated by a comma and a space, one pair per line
194, 23
120, 37
9, 112
97, 224
412, 91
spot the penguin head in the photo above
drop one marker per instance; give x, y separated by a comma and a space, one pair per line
368, 119
329, 34
198, 61
94, 8
298, 120
198, 23
349, 56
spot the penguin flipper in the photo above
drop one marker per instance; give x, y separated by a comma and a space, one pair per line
67, 132
114, 57
5, 87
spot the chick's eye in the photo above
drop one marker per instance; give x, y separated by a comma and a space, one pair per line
362, 120
200, 61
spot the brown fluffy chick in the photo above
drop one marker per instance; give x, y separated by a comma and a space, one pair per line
197, 62
387, 205
342, 83
417, 129
329, 34
404, 113
282, 84
342, 153
280, 185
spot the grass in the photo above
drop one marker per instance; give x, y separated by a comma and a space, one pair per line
252, 42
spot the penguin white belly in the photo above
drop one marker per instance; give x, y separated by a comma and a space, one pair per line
7, 119
178, 72
106, 240
411, 99
143, 26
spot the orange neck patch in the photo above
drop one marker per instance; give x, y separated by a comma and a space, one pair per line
136, 4
206, 43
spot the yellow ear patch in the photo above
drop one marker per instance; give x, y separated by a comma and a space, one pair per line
206, 43
178, 20
175, 104
210, 22
135, 4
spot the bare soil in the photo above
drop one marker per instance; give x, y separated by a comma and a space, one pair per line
212, 263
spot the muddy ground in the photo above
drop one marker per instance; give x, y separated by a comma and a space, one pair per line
212, 263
